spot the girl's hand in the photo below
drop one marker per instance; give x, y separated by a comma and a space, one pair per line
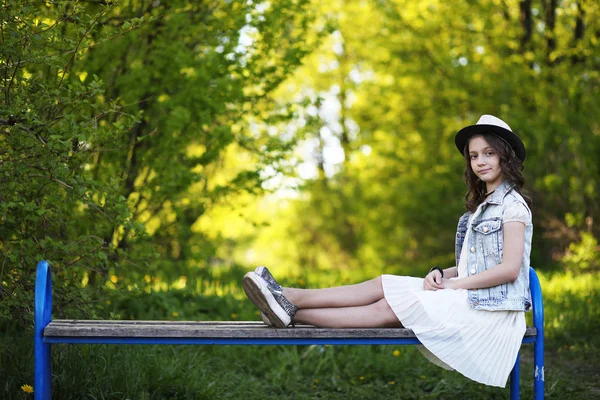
433, 280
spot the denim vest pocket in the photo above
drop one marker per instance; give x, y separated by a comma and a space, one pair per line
489, 231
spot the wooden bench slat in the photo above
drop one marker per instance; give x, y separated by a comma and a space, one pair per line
214, 329
150, 322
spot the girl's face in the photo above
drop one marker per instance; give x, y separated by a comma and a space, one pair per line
485, 162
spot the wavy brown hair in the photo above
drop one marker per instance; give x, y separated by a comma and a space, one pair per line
511, 167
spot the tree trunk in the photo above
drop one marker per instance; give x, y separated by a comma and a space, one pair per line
526, 22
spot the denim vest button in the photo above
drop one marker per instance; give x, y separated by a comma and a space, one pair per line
473, 270
486, 229
472, 249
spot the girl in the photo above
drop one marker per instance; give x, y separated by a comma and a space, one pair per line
469, 317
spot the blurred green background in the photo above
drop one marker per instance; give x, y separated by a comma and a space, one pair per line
155, 151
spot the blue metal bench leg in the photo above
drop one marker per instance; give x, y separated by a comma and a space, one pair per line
42, 316
515, 379
42, 389
538, 360
538, 347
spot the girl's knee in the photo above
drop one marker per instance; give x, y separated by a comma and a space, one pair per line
382, 307
378, 283
385, 314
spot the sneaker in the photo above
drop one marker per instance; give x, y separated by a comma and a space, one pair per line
277, 309
264, 273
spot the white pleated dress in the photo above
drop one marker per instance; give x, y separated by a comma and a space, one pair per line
481, 345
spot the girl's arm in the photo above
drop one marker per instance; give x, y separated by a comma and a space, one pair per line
507, 271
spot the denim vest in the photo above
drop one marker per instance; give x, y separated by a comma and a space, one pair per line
485, 248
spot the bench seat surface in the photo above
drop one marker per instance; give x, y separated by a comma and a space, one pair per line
213, 329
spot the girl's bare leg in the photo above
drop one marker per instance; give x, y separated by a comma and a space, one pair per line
361, 294
376, 315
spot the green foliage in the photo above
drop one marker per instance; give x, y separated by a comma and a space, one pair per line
571, 310
402, 78
119, 124
584, 255
198, 77
49, 196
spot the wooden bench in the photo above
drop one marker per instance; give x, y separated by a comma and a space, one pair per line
48, 332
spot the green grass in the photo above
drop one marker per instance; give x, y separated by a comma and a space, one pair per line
301, 372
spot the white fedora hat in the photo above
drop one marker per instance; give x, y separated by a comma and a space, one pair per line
490, 124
